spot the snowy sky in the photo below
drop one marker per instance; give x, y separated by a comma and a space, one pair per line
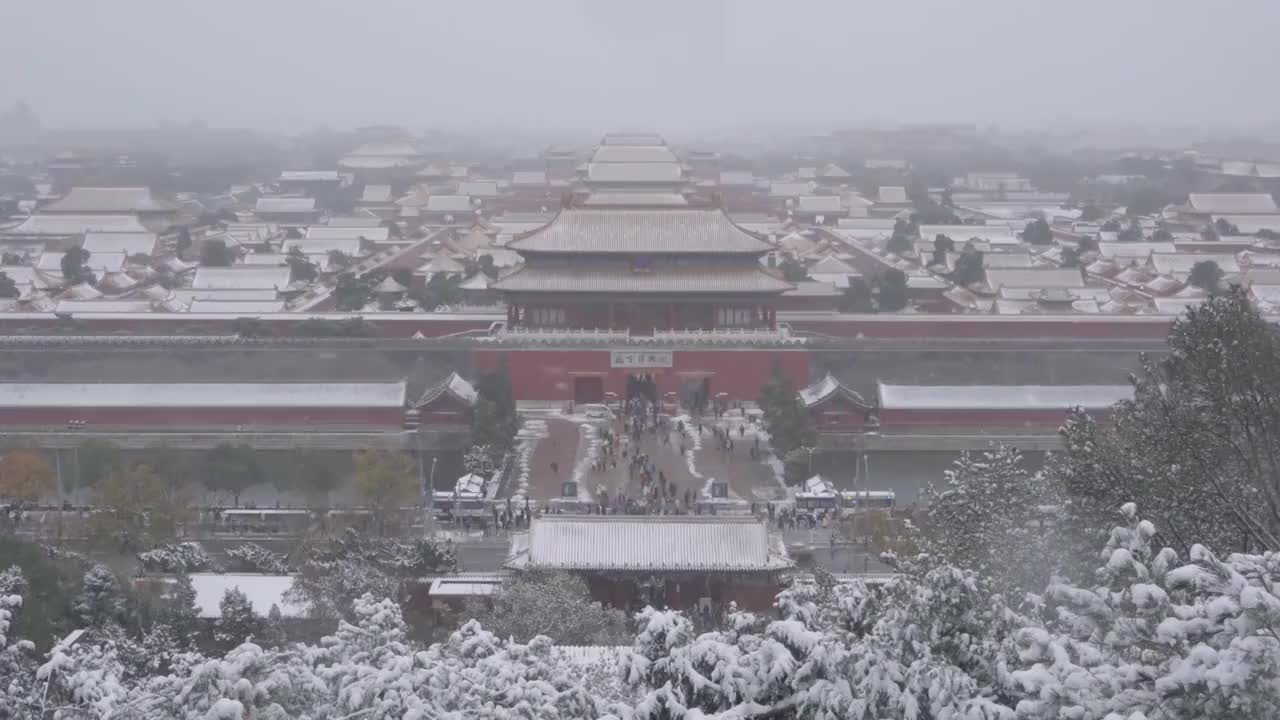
667, 65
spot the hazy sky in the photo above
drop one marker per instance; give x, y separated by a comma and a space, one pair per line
672, 66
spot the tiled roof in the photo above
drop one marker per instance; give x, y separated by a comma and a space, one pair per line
828, 387
347, 232
449, 203
646, 139
633, 154
617, 172
632, 231
211, 394
626, 280
376, 194
241, 278
528, 178
736, 178
1251, 224
1000, 397
820, 204
790, 189
892, 194
263, 591
246, 308
478, 188
1033, 277
77, 224
635, 199
661, 543
110, 200
285, 205
453, 385
1232, 203
127, 243
310, 176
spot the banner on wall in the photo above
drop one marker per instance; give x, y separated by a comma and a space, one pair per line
641, 358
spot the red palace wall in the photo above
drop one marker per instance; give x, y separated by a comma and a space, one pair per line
173, 418
890, 419
980, 326
550, 374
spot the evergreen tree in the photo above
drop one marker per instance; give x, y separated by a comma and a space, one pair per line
1038, 232
893, 291
273, 632
857, 297
555, 604
8, 288
215, 253
236, 623
1205, 275
74, 268
1198, 444
300, 267
100, 604
989, 516
900, 241
181, 614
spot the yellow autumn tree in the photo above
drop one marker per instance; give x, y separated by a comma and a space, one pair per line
137, 508
385, 482
25, 475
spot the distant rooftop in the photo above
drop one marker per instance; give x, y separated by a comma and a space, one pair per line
111, 200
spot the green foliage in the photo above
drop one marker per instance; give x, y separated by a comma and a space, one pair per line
8, 288
793, 270
969, 266
339, 259
904, 233
300, 267
788, 422
487, 267
1090, 213
237, 622
556, 604
1225, 227
46, 614
184, 240
73, 265
314, 472
1196, 447
232, 469
1038, 232
986, 516
857, 298
352, 293
215, 253
441, 289
95, 461
101, 602
893, 291
1205, 275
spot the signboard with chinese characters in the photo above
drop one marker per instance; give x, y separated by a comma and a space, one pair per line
640, 359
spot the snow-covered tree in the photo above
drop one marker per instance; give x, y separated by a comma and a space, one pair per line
187, 557
237, 622
180, 614
555, 604
101, 602
253, 558
335, 571
273, 632
1198, 448
990, 516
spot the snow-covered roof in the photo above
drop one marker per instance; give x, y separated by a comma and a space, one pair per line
347, 232
209, 394
467, 585
820, 204
263, 591
649, 543
1181, 263
376, 194
1000, 397
996, 234
111, 200
479, 188
892, 195
347, 245
1233, 203
285, 205
470, 484
454, 385
310, 176
449, 203
1033, 277
113, 242
826, 388
634, 172
240, 307
242, 278
77, 224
